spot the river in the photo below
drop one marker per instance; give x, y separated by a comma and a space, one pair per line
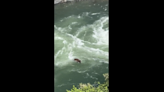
81, 31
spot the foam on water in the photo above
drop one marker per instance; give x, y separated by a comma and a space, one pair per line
82, 35
73, 43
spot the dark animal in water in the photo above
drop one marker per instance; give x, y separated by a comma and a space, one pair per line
77, 60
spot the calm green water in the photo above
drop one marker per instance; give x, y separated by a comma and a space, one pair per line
81, 31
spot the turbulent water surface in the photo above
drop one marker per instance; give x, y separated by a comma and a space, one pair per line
81, 31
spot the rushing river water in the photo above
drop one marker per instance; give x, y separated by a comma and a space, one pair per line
81, 31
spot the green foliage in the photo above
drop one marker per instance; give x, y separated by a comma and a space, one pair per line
89, 88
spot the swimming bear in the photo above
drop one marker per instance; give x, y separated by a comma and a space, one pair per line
77, 60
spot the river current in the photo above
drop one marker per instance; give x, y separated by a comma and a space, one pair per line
81, 31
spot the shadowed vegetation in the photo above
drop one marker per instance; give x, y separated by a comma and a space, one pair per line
90, 88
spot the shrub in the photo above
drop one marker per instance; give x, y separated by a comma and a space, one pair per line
89, 88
